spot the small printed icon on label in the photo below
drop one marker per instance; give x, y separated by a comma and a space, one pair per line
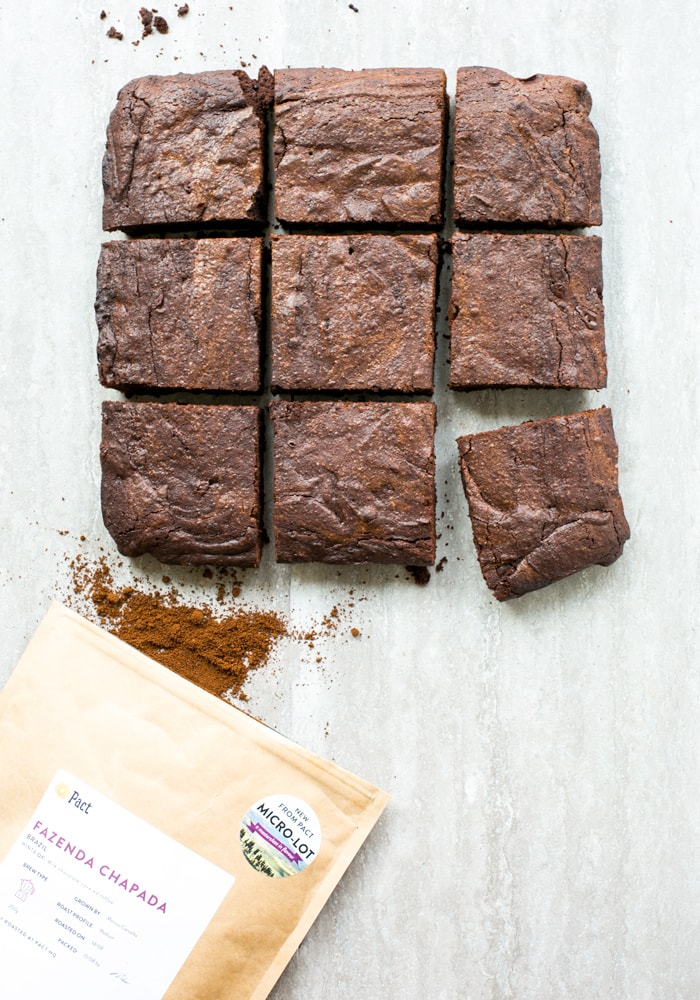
26, 889
63, 791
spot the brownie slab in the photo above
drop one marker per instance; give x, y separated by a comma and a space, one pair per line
183, 482
186, 149
179, 314
527, 310
353, 313
359, 146
354, 482
543, 499
525, 150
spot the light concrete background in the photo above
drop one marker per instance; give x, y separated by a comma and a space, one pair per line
543, 837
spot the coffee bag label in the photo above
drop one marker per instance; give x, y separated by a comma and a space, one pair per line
94, 901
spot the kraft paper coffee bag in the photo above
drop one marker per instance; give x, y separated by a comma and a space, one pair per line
155, 842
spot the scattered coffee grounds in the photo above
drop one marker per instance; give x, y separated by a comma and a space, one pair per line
161, 25
113, 33
421, 574
147, 21
182, 11
217, 653
215, 650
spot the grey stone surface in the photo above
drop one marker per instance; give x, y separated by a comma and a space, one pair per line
543, 837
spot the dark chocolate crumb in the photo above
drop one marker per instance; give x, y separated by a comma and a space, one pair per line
147, 21
182, 11
161, 25
353, 7
113, 33
421, 574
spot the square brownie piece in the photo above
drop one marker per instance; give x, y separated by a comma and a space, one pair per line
525, 150
186, 149
179, 314
359, 146
353, 313
543, 499
183, 482
527, 311
354, 482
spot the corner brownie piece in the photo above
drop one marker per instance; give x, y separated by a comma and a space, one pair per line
183, 482
359, 146
525, 150
543, 499
186, 149
179, 314
527, 311
353, 313
354, 482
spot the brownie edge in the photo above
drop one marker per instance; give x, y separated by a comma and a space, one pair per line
543, 500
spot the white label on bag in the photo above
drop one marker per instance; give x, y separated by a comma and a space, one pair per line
95, 902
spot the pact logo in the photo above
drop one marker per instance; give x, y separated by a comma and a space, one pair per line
72, 797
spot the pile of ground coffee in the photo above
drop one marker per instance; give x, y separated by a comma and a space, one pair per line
217, 652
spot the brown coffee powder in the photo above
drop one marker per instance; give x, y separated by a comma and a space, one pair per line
216, 652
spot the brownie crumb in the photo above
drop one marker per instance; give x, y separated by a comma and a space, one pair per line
441, 565
161, 25
147, 21
353, 7
103, 15
113, 33
420, 574
184, 10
